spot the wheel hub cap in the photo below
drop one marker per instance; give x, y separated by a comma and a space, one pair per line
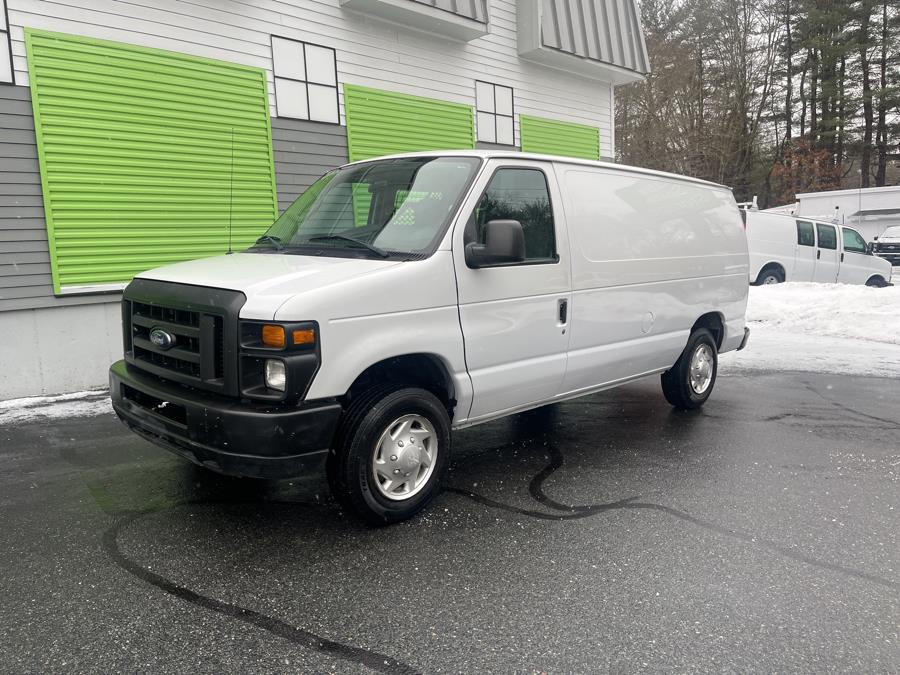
701, 369
404, 458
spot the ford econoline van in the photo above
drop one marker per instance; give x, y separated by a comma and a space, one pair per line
787, 248
401, 298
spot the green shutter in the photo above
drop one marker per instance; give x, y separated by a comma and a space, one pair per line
551, 137
386, 123
135, 148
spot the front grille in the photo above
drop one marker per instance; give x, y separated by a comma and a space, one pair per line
184, 357
203, 323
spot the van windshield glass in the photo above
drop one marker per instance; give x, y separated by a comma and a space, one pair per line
386, 208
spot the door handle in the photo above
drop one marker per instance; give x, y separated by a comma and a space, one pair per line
818, 255
563, 311
842, 257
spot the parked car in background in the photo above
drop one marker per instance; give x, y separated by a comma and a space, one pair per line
403, 297
785, 248
887, 246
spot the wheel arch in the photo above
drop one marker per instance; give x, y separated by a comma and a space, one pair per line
714, 322
420, 369
771, 265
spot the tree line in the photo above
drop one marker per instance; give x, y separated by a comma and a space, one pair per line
771, 97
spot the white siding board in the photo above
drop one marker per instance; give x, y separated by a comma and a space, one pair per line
369, 51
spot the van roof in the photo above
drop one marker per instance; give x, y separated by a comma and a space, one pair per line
508, 154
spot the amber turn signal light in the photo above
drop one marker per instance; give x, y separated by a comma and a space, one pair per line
305, 336
273, 336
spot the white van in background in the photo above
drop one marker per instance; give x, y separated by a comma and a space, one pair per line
402, 297
788, 248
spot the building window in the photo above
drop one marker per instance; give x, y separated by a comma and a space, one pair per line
6, 63
494, 109
305, 80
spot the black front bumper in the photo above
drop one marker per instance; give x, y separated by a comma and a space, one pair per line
221, 433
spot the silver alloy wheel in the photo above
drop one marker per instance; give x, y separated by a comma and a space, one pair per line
701, 368
404, 457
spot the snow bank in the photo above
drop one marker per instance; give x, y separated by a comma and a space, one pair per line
36, 408
826, 328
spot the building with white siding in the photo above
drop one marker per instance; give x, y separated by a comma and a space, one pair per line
133, 133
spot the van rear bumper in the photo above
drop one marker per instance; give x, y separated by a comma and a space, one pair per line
224, 434
744, 341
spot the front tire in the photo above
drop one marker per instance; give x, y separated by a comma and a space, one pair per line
876, 282
688, 383
391, 453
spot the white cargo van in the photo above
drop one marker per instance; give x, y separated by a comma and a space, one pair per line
788, 248
403, 297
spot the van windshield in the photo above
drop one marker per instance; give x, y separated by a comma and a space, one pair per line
396, 208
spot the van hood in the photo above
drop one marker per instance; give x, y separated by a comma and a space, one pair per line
267, 279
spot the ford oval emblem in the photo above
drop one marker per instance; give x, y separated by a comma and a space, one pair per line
162, 339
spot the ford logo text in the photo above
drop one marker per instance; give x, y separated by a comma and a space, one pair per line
162, 339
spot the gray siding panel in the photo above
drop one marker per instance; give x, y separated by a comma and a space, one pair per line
601, 30
303, 152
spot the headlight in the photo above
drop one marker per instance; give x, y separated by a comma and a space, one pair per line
275, 374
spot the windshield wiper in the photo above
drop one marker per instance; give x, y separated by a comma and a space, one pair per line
271, 239
344, 237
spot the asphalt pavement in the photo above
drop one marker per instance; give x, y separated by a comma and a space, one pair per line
604, 534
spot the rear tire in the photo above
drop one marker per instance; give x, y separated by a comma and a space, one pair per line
688, 383
379, 475
770, 276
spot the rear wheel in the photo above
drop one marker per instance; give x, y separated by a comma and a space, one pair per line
690, 381
391, 453
769, 276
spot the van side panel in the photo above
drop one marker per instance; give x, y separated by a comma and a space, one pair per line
772, 238
650, 255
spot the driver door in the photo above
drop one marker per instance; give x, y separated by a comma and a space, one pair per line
515, 317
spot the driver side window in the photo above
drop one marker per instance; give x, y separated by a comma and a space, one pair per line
853, 241
522, 195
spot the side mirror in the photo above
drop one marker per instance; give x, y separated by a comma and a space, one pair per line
504, 243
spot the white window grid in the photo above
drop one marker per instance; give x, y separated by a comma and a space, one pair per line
300, 93
495, 113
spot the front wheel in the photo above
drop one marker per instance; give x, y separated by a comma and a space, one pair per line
688, 383
391, 453
876, 282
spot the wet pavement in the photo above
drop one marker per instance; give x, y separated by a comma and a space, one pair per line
604, 534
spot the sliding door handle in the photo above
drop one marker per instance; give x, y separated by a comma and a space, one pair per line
563, 311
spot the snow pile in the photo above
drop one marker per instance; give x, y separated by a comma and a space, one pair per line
36, 408
826, 328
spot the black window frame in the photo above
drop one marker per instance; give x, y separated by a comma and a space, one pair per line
819, 236
469, 231
495, 114
812, 229
305, 81
6, 32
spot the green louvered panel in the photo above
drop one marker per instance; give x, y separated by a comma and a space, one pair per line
551, 137
385, 123
136, 149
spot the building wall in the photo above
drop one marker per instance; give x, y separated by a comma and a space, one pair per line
880, 207
61, 344
369, 51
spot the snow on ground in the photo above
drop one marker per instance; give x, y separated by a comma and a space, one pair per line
823, 328
37, 408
